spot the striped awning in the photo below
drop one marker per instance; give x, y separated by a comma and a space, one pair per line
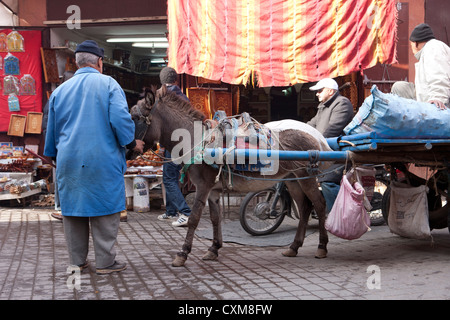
279, 42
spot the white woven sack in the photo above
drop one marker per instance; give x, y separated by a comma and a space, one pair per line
408, 211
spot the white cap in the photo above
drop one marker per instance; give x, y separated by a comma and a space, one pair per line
325, 83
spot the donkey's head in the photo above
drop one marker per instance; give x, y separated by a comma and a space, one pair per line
160, 113
143, 106
141, 113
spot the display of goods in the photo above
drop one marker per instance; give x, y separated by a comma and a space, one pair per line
4, 183
17, 186
17, 166
149, 158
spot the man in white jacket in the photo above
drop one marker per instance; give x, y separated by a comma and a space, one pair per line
432, 82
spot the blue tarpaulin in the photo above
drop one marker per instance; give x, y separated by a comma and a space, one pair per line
391, 116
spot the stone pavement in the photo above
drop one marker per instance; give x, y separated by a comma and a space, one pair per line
379, 265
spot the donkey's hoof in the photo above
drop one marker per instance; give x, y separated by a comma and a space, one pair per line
321, 253
210, 256
178, 261
289, 253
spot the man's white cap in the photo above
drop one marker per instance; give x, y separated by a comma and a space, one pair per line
325, 83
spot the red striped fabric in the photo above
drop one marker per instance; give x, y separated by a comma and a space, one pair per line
279, 42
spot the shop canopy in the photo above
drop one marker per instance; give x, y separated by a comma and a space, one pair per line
279, 42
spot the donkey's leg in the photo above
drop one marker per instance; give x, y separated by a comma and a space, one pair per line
216, 219
197, 209
313, 193
304, 207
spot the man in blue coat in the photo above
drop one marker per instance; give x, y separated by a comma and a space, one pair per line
88, 128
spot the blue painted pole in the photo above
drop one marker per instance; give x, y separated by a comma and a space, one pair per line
360, 136
362, 147
334, 142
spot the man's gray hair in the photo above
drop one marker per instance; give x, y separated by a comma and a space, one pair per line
85, 58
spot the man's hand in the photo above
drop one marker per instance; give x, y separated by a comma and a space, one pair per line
139, 146
438, 104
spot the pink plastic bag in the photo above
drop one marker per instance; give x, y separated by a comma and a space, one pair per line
348, 219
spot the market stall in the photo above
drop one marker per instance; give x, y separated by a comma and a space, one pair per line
21, 83
18, 173
142, 179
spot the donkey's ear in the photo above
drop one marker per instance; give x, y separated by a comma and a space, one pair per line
161, 91
154, 87
149, 97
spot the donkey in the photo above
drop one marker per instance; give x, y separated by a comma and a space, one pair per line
160, 113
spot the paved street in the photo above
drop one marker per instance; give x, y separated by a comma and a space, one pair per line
33, 265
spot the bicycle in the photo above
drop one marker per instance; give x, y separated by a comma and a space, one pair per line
262, 212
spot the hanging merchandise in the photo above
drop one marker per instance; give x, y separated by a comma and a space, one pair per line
199, 98
34, 122
27, 85
50, 65
11, 65
13, 102
17, 125
348, 219
3, 43
21, 74
11, 85
15, 42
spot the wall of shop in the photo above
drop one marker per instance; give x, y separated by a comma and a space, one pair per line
32, 13
416, 15
436, 15
131, 80
23, 13
264, 103
6, 17
410, 14
108, 9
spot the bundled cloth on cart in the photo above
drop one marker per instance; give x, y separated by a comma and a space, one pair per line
391, 116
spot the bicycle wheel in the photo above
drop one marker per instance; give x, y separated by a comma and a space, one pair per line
255, 212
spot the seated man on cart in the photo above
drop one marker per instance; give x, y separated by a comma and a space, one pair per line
333, 114
432, 82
